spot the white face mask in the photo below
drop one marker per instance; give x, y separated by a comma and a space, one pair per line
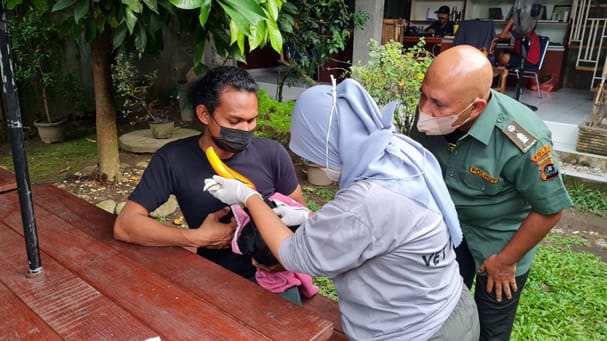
440, 125
332, 174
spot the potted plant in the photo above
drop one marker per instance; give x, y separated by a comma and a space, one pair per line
37, 48
394, 73
135, 98
592, 135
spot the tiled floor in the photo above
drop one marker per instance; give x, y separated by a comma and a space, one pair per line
562, 110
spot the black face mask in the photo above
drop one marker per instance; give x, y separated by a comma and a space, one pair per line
233, 140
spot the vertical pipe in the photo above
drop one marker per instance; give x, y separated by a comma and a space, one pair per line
15, 128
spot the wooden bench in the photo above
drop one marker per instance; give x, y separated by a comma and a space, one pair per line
329, 310
94, 287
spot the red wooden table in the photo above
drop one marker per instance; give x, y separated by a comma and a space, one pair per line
94, 287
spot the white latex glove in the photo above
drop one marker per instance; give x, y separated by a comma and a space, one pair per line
292, 216
229, 191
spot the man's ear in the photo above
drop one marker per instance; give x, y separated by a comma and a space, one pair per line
204, 116
479, 107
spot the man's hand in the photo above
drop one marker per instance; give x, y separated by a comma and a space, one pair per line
213, 234
500, 276
292, 216
229, 191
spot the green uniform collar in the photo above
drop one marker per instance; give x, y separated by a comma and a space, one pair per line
490, 117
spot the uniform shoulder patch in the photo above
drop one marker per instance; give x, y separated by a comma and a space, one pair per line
523, 139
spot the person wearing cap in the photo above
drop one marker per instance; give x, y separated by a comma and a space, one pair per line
443, 26
502, 173
387, 238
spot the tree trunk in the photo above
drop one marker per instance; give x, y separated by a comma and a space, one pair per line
107, 133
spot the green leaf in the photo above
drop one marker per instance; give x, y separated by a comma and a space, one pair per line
187, 4
246, 8
63, 4
238, 20
130, 18
240, 43
152, 5
205, 9
258, 35
41, 5
141, 39
272, 7
275, 36
134, 5
235, 52
234, 32
119, 36
11, 4
81, 10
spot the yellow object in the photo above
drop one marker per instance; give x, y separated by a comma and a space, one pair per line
455, 27
223, 170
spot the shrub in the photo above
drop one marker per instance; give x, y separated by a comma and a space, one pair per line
394, 73
274, 118
132, 90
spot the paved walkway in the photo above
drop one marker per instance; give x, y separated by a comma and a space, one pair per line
141, 141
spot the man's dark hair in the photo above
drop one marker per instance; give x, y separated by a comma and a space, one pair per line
206, 90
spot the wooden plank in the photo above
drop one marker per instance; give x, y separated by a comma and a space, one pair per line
269, 313
18, 322
8, 182
172, 312
182, 270
56, 304
327, 309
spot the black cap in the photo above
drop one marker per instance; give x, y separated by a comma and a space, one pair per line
443, 10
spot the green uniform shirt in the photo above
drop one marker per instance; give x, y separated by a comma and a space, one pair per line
498, 172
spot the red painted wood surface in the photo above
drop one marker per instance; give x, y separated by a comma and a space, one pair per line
163, 291
8, 182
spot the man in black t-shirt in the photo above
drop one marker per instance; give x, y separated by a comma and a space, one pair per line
225, 101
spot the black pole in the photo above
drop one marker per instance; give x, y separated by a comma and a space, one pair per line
525, 45
15, 128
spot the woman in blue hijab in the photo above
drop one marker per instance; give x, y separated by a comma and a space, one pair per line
386, 239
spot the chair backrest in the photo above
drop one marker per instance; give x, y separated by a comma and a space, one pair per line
478, 33
544, 42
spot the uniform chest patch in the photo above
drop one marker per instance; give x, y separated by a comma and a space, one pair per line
484, 175
519, 136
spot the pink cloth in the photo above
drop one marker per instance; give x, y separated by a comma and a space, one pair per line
281, 198
242, 219
276, 282
279, 282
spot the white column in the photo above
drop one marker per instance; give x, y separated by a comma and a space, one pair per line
372, 30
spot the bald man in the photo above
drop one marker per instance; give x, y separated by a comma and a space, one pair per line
502, 173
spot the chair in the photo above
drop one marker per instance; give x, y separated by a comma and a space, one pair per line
532, 72
480, 34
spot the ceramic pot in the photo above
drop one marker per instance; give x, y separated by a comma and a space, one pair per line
53, 132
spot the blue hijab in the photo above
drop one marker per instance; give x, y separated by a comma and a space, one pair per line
341, 127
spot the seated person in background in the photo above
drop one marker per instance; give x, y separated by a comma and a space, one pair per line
520, 24
387, 238
225, 102
443, 26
